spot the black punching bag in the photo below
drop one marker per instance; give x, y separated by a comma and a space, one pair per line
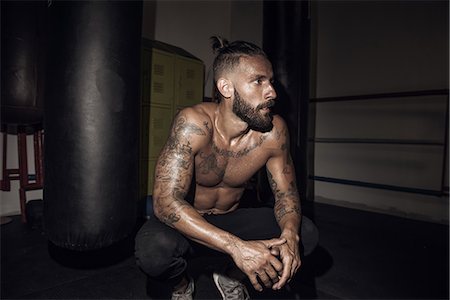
92, 122
286, 42
23, 61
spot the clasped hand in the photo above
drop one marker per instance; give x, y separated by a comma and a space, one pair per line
264, 260
290, 257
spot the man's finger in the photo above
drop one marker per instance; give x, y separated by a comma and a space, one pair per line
286, 273
255, 283
275, 251
273, 274
274, 242
276, 264
299, 265
295, 267
265, 279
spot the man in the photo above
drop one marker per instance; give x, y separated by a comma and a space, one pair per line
221, 146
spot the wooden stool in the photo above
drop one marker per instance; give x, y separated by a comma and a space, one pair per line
26, 180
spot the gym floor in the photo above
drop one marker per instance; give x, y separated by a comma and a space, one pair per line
361, 255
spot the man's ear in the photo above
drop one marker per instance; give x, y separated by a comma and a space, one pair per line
225, 87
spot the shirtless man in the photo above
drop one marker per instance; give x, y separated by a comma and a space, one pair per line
221, 146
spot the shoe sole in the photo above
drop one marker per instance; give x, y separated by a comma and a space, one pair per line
216, 281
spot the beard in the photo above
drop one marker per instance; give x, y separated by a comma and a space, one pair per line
252, 116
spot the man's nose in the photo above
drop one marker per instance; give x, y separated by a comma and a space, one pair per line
271, 93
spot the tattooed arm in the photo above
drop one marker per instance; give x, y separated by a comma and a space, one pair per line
174, 171
173, 175
281, 176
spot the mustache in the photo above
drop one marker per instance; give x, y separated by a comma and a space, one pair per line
267, 104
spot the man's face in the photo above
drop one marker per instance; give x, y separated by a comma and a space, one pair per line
254, 93
258, 118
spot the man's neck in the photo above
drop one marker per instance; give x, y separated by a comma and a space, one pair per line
229, 126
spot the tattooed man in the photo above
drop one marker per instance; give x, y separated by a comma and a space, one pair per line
220, 146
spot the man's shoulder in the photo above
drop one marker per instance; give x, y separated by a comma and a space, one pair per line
278, 122
200, 112
278, 134
279, 125
196, 121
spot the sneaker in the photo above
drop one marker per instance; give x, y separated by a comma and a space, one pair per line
187, 294
230, 289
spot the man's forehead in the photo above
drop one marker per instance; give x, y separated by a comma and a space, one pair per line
255, 65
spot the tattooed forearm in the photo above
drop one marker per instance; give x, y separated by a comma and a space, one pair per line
171, 218
169, 214
286, 202
292, 190
282, 208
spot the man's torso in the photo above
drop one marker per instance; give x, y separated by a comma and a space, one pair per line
222, 171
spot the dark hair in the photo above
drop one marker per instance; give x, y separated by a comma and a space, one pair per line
228, 54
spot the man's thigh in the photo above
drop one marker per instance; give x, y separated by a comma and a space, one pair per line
248, 223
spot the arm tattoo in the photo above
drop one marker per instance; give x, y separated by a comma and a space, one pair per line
174, 170
188, 128
285, 145
281, 209
285, 202
288, 167
171, 218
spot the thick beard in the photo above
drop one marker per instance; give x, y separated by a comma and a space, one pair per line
252, 116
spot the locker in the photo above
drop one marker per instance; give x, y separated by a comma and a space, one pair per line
171, 79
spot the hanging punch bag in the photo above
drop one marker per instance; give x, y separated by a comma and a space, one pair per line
23, 35
92, 123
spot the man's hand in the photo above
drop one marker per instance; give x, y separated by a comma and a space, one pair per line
255, 259
289, 254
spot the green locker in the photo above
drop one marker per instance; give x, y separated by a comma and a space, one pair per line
159, 127
162, 78
145, 76
145, 134
171, 79
190, 84
150, 177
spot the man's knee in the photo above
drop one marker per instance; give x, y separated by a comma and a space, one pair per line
154, 252
309, 235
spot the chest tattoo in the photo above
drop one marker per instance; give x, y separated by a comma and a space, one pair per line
209, 165
206, 124
240, 153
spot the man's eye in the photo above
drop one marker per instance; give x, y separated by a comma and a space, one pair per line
258, 81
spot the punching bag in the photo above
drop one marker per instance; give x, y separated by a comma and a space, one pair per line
23, 61
92, 123
286, 41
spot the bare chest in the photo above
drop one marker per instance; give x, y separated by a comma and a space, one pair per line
216, 167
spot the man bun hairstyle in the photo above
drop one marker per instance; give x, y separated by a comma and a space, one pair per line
228, 55
218, 43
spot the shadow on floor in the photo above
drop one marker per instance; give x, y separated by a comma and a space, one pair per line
361, 255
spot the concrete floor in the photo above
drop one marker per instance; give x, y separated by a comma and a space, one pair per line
361, 255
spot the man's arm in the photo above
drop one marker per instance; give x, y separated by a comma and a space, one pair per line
173, 174
287, 209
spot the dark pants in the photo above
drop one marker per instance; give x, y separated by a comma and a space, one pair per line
162, 252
